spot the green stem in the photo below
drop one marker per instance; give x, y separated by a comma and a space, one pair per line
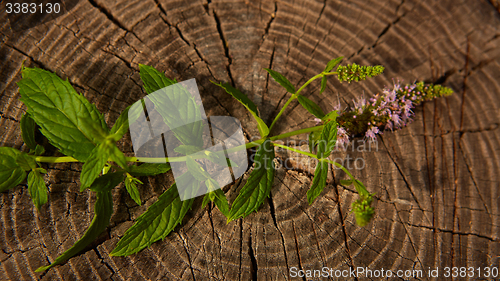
309, 81
297, 132
316, 157
282, 110
49, 159
296, 150
340, 166
294, 96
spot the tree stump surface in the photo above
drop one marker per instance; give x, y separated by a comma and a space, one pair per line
437, 181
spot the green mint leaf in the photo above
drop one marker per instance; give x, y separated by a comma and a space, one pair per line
187, 149
155, 224
249, 105
330, 116
26, 161
323, 84
331, 64
212, 185
181, 112
11, 174
258, 185
121, 125
149, 169
106, 182
37, 188
311, 142
220, 200
153, 79
103, 209
68, 120
98, 159
361, 189
117, 156
177, 107
9, 151
28, 126
94, 164
131, 186
196, 170
313, 139
281, 80
311, 106
39, 150
207, 198
328, 138
319, 181
346, 182
128, 116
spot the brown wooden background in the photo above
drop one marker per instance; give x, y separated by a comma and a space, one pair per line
437, 181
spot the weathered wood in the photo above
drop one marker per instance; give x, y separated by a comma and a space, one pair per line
437, 181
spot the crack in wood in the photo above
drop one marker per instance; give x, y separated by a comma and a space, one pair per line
273, 216
321, 12
254, 269
297, 248
384, 31
225, 45
3, 116
404, 179
406, 230
457, 232
473, 179
267, 84
127, 63
273, 16
112, 18
241, 248
28, 56
344, 232
184, 243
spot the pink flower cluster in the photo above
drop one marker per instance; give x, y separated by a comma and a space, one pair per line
394, 105
390, 110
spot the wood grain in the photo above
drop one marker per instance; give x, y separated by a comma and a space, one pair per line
437, 181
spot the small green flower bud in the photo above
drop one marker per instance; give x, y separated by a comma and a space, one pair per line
354, 72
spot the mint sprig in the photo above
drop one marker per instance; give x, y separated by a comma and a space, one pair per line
74, 126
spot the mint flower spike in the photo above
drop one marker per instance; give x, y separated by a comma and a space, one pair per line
354, 72
419, 92
389, 110
362, 209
